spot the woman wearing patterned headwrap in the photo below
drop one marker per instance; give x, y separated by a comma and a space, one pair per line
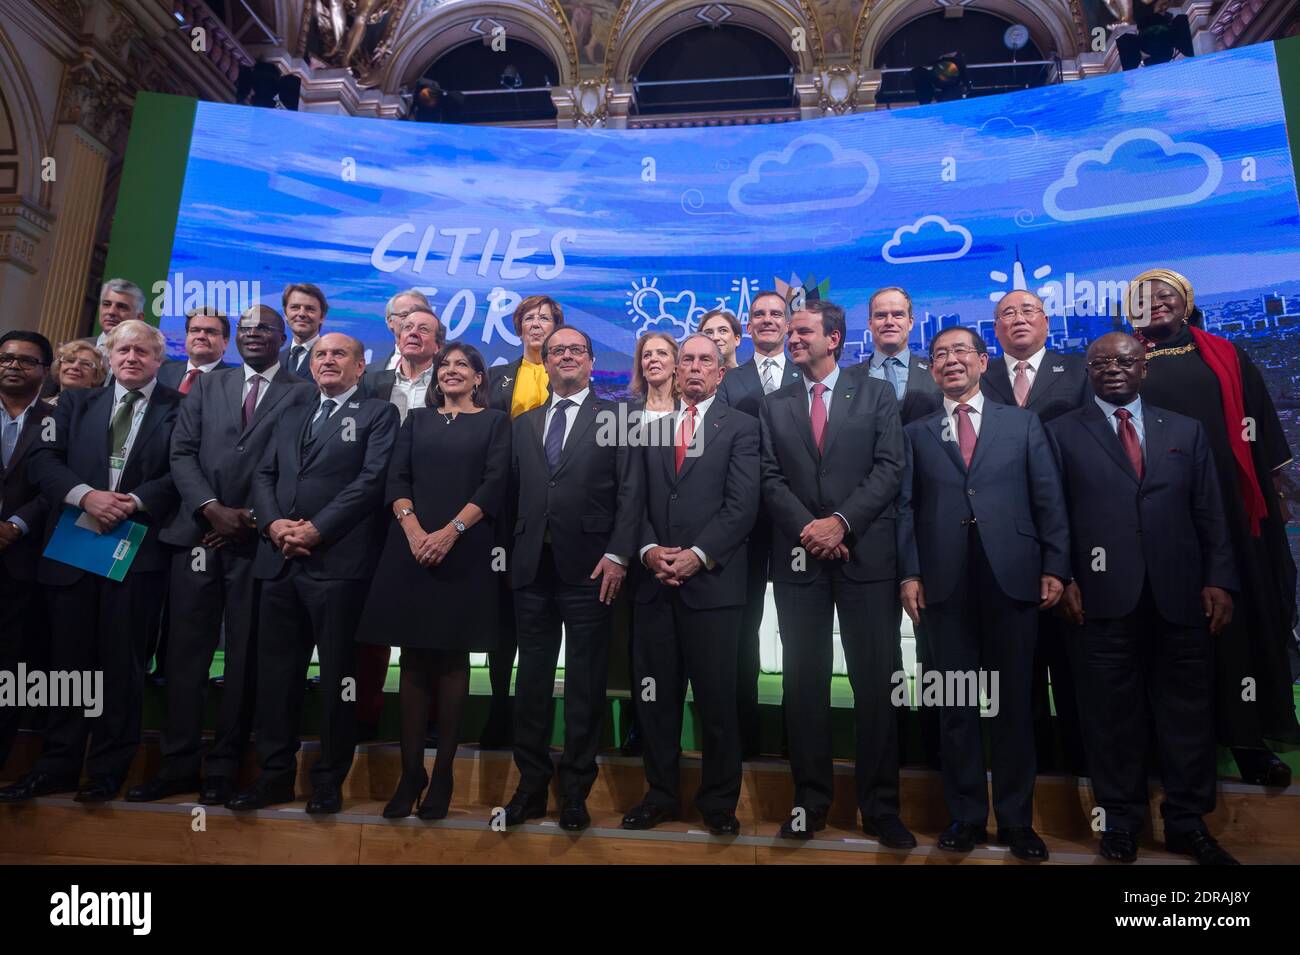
1212, 380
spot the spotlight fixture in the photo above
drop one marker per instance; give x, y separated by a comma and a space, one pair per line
942, 80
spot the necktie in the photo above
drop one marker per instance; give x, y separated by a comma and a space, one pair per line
965, 433
188, 383
326, 409
817, 414
250, 399
120, 429
295, 357
685, 434
893, 369
1021, 384
769, 375
1128, 437
8, 441
554, 443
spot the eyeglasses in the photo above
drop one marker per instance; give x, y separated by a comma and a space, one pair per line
1025, 311
258, 329
83, 363
1123, 361
25, 362
957, 351
557, 351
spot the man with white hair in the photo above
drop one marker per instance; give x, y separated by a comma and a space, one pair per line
399, 306
119, 301
108, 458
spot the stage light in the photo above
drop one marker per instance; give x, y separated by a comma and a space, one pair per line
510, 78
943, 79
1158, 37
432, 104
262, 85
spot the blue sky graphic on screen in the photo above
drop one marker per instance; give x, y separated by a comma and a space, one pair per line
1065, 190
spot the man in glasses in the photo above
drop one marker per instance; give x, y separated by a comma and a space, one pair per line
207, 333
1048, 383
983, 545
578, 517
25, 359
221, 431
399, 306
1153, 573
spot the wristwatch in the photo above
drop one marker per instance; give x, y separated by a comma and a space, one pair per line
459, 525
404, 512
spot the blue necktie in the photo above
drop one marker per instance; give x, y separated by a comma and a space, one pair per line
8, 441
554, 443
326, 409
892, 366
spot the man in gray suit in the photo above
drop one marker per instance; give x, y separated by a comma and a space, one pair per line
220, 434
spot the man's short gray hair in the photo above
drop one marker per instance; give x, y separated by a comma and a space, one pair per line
414, 293
716, 350
123, 287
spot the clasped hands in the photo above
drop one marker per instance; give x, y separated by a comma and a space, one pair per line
429, 549
293, 538
108, 508
672, 566
229, 525
824, 538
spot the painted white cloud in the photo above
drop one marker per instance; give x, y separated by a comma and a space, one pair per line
1103, 157
998, 131
889, 251
839, 157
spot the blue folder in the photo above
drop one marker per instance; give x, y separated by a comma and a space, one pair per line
75, 542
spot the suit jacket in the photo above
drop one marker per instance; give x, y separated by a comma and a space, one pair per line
857, 475
78, 453
592, 505
303, 370
338, 485
1167, 529
921, 396
1012, 490
20, 496
711, 504
1061, 385
742, 388
213, 456
172, 373
380, 384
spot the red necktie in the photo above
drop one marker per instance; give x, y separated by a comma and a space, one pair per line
1128, 437
188, 383
250, 399
965, 433
818, 415
1021, 385
685, 434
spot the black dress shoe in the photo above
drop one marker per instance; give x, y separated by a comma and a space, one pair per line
1259, 767
574, 816
262, 794
525, 806
160, 788
36, 784
325, 799
98, 789
1119, 845
962, 837
890, 831
722, 822
1024, 843
802, 824
647, 815
216, 791
437, 801
1201, 846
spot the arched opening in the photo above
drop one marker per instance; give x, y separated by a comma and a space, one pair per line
996, 58
711, 69
480, 85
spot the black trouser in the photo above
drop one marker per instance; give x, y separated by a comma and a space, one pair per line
501, 661
101, 624
1136, 672
297, 612
1052, 666
748, 658
541, 608
978, 628
927, 717
207, 588
24, 637
868, 616
674, 644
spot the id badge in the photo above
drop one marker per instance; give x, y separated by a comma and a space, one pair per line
116, 463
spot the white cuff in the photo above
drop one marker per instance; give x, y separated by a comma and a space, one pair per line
621, 561
705, 559
76, 494
19, 523
645, 550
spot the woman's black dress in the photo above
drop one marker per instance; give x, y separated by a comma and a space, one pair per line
441, 466
1255, 644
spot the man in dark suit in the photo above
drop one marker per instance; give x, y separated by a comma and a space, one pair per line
221, 433
701, 496
1153, 565
983, 544
576, 523
1048, 383
744, 388
305, 308
207, 332
831, 466
107, 453
318, 496
25, 359
889, 319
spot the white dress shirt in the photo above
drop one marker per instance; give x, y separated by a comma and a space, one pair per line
339, 400
778, 369
415, 390
1034, 360
1135, 409
571, 415
137, 415
190, 366
309, 345
21, 420
394, 359
976, 413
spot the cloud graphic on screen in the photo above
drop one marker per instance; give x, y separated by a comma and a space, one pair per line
1102, 157
889, 252
809, 177
665, 324
990, 131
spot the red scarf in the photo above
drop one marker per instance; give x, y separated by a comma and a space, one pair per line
1221, 356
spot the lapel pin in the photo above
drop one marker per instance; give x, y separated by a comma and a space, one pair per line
506, 379
1057, 368
353, 404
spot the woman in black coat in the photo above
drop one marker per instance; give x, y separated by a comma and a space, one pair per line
435, 590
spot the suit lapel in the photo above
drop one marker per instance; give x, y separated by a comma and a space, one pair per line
841, 407
936, 426
585, 416
328, 429
537, 425
996, 381
275, 391
704, 430
1156, 444
158, 405
99, 414
1046, 378
1094, 419
798, 405
918, 373
31, 428
992, 413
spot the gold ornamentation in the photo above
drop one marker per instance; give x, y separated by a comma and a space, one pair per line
1180, 350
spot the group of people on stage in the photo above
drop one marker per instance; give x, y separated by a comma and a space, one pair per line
1109, 526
